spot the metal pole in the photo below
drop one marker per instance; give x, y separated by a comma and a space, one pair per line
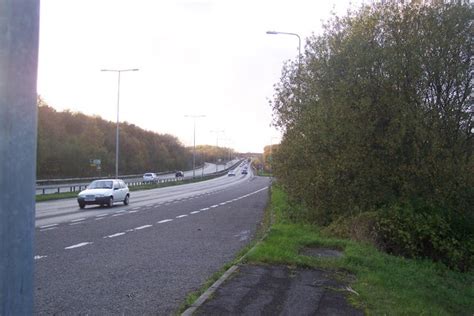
194, 148
117, 130
19, 22
119, 71
194, 117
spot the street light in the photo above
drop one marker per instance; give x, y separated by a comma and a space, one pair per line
119, 71
217, 142
299, 43
194, 117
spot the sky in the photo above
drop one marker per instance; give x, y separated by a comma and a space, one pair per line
195, 57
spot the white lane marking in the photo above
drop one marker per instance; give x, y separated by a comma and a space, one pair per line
47, 226
78, 223
77, 220
119, 214
214, 206
99, 218
181, 216
223, 203
51, 228
101, 215
164, 221
39, 257
114, 235
121, 211
135, 208
142, 227
195, 212
204, 209
132, 211
82, 244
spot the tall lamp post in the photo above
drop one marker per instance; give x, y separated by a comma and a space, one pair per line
217, 142
194, 117
299, 43
119, 71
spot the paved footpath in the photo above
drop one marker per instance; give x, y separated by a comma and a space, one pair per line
278, 290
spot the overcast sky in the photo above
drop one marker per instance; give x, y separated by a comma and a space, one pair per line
196, 57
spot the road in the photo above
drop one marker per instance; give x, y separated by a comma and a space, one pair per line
62, 186
146, 257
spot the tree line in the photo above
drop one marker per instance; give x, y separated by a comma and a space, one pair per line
378, 129
68, 141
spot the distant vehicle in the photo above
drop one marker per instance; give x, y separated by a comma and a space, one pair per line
231, 173
179, 174
150, 177
244, 171
104, 192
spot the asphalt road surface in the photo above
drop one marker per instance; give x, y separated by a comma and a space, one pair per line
146, 257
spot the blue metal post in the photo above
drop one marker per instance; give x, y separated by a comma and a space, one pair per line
19, 27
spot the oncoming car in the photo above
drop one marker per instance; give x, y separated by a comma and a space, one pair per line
104, 192
150, 177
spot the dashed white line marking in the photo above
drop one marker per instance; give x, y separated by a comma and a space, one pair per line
82, 244
181, 216
119, 214
51, 228
132, 211
142, 227
204, 209
77, 220
223, 203
135, 208
164, 221
77, 223
121, 211
114, 235
97, 219
214, 206
47, 226
39, 257
101, 215
195, 212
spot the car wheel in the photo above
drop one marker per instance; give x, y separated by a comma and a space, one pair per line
127, 200
110, 202
82, 205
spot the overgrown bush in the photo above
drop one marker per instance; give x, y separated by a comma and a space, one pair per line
424, 232
378, 112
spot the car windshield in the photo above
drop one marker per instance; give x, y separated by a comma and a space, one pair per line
101, 185
148, 174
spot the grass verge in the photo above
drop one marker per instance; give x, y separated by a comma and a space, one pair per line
384, 284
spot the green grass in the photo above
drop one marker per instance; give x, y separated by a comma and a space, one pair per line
385, 284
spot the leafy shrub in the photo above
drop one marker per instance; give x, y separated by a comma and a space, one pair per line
425, 232
359, 227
